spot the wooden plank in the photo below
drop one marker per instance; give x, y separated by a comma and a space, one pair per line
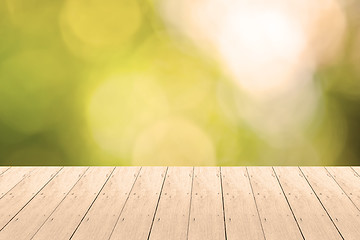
12, 177
137, 216
64, 220
31, 218
276, 217
172, 215
101, 218
311, 216
3, 169
341, 210
242, 218
349, 181
206, 211
23, 192
356, 169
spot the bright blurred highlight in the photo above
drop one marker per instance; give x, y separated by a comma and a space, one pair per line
267, 46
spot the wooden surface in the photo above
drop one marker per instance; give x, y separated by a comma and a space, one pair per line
179, 203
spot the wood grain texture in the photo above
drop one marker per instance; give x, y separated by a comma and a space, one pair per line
206, 213
137, 216
349, 181
101, 218
172, 215
31, 218
341, 210
10, 178
68, 215
23, 192
276, 217
242, 218
312, 218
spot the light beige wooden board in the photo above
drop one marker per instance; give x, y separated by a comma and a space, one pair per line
12, 177
356, 169
241, 216
341, 210
172, 215
23, 192
349, 181
31, 218
276, 217
206, 213
64, 220
137, 216
3, 169
101, 218
312, 218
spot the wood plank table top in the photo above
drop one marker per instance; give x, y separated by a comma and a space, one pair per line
141, 203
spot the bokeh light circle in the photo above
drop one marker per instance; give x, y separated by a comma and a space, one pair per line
121, 107
90, 27
174, 141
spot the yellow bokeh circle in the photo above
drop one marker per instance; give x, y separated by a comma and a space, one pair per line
120, 108
174, 141
97, 25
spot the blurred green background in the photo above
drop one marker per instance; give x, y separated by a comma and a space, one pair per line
170, 82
